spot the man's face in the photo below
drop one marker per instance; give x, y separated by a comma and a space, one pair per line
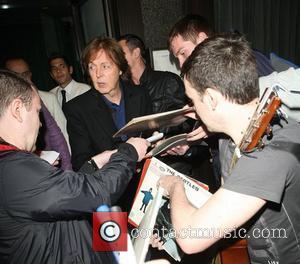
20, 67
201, 109
31, 122
182, 48
104, 73
128, 53
60, 72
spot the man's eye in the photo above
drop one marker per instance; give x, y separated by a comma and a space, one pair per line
106, 66
91, 67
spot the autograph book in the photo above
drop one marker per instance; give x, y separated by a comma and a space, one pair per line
155, 121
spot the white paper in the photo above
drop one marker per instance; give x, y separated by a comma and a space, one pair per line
51, 156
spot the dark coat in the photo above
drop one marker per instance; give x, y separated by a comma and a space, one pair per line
45, 211
166, 90
90, 124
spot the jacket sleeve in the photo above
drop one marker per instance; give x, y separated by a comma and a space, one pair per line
34, 189
55, 139
81, 145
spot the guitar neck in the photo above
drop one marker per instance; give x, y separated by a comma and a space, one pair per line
262, 117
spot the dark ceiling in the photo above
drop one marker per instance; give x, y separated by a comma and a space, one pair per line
22, 11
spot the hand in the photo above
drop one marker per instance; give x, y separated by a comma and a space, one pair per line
140, 145
168, 183
102, 158
197, 134
178, 150
191, 114
155, 242
56, 162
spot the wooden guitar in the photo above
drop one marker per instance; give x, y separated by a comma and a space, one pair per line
259, 124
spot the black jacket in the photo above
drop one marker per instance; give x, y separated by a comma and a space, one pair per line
90, 124
44, 210
165, 89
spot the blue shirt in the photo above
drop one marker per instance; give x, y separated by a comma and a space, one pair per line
117, 112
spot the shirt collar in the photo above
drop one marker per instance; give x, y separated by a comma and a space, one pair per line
69, 87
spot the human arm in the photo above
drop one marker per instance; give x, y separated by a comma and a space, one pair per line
80, 140
55, 140
224, 211
46, 193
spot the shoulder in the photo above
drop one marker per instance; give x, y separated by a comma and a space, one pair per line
81, 86
23, 164
54, 90
85, 100
47, 96
131, 90
163, 75
286, 140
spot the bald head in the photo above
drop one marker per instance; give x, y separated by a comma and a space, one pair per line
19, 66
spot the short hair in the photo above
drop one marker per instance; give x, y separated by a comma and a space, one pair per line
56, 55
189, 27
226, 63
113, 51
12, 86
133, 42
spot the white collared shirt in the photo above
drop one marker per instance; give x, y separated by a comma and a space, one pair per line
73, 89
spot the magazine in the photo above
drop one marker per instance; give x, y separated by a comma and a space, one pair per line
155, 121
149, 204
167, 144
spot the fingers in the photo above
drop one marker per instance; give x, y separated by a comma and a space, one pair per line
178, 150
141, 145
156, 242
192, 115
197, 134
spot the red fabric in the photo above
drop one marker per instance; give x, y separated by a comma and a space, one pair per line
7, 147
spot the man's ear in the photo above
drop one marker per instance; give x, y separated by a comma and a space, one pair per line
136, 52
211, 98
16, 109
201, 36
71, 69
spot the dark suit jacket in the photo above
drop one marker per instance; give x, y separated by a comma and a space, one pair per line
90, 124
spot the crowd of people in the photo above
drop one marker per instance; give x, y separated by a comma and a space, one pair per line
46, 208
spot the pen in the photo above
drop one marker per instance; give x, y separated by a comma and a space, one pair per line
155, 137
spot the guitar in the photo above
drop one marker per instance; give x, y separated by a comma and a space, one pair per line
259, 124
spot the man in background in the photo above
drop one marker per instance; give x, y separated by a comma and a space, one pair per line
165, 88
61, 72
191, 30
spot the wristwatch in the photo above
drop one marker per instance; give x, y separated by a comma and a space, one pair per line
93, 164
